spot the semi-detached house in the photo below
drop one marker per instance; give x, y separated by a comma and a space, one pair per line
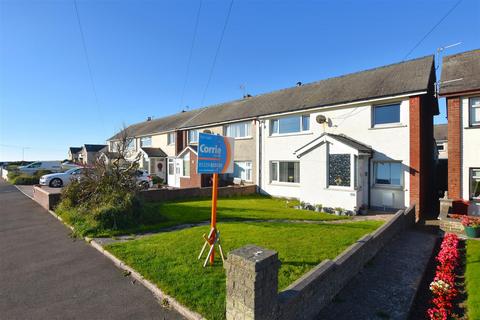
362, 139
460, 85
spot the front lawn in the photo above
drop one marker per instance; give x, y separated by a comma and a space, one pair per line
255, 207
472, 278
170, 259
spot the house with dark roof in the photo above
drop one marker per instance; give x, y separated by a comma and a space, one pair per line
440, 134
460, 85
360, 140
74, 153
90, 152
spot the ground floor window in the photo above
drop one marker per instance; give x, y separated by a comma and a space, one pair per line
388, 173
475, 184
186, 165
171, 166
285, 171
243, 170
339, 170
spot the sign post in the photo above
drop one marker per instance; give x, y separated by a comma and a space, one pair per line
215, 155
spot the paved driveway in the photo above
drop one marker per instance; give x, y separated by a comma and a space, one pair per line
44, 274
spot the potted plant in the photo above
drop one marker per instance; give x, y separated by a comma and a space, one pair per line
471, 226
318, 208
363, 209
338, 211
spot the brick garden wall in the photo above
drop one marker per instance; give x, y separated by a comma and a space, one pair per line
46, 197
252, 277
189, 193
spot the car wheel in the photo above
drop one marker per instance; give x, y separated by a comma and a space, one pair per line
56, 183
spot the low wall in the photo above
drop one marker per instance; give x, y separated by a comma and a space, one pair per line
188, 193
252, 277
46, 197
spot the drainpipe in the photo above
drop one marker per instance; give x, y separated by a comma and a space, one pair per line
259, 160
369, 179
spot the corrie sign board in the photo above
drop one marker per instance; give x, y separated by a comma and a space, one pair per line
215, 154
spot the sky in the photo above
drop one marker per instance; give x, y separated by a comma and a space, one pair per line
59, 89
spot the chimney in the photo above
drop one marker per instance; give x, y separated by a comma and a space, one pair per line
149, 118
246, 96
299, 84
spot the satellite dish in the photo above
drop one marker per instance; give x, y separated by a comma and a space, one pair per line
321, 118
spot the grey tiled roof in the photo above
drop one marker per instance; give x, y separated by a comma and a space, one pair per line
395, 79
464, 68
440, 132
94, 147
154, 152
74, 150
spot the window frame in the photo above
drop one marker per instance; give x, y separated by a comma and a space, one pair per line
353, 172
383, 185
146, 137
246, 168
185, 162
248, 129
171, 141
196, 135
471, 123
387, 124
470, 176
301, 118
277, 181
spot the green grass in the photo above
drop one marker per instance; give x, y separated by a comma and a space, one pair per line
256, 207
170, 259
472, 278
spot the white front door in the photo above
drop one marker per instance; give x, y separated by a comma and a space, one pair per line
171, 172
178, 171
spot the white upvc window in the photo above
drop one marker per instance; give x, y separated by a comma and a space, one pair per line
475, 184
238, 130
385, 115
388, 173
290, 124
285, 171
243, 170
186, 165
193, 136
171, 138
131, 144
146, 141
343, 171
474, 111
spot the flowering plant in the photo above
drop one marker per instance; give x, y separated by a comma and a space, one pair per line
468, 221
443, 285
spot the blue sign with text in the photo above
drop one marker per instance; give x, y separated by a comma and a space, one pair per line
215, 154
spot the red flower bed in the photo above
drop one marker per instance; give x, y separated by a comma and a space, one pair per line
443, 285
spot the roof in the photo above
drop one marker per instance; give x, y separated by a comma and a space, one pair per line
396, 79
154, 152
355, 144
75, 149
189, 147
464, 68
94, 147
440, 132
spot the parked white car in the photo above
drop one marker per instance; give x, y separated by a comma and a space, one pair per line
58, 180
33, 167
144, 179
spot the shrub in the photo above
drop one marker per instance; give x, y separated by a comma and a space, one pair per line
24, 179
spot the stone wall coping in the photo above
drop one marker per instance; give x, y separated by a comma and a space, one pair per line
253, 257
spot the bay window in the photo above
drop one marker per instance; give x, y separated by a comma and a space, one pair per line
285, 171
291, 124
475, 184
474, 110
388, 173
238, 130
243, 170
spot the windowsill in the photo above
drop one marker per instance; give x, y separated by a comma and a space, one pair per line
473, 127
387, 187
243, 138
388, 126
285, 184
276, 135
346, 189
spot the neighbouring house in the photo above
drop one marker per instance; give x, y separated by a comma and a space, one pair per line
440, 133
460, 85
74, 154
90, 152
360, 140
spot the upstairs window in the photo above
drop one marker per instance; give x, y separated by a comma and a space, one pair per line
475, 111
388, 173
386, 114
192, 136
292, 124
146, 141
130, 144
171, 138
238, 130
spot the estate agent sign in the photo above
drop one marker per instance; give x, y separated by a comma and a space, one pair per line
215, 154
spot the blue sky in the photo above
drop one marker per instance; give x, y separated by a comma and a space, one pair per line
138, 53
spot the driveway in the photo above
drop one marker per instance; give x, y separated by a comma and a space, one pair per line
45, 274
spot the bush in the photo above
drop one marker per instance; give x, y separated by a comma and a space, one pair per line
17, 178
157, 180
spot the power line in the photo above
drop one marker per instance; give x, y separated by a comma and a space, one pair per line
187, 73
87, 58
217, 51
433, 28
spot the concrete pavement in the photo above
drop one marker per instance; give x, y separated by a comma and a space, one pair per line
45, 274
